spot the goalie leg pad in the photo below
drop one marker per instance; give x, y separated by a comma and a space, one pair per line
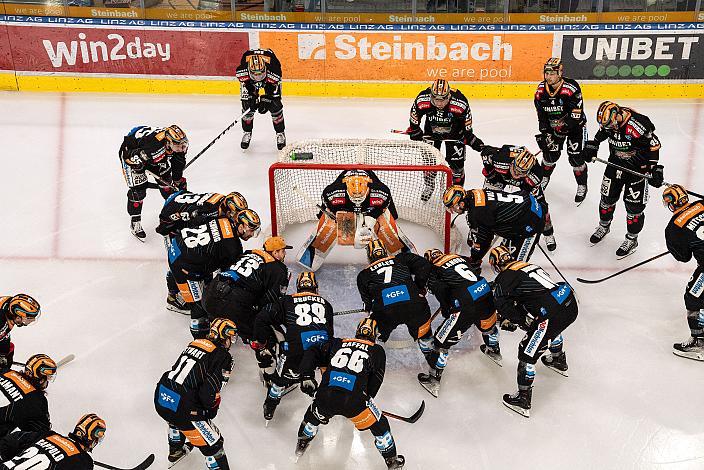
318, 245
390, 233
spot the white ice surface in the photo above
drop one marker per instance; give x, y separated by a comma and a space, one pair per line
629, 403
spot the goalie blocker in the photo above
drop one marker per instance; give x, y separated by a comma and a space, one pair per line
357, 207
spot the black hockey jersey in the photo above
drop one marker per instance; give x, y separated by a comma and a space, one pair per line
684, 234
191, 389
335, 197
393, 281
497, 164
504, 214
452, 122
45, 451
5, 326
22, 405
151, 141
353, 365
634, 143
205, 248
560, 111
271, 83
260, 277
454, 284
307, 320
185, 207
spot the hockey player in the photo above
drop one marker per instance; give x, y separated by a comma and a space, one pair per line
356, 207
183, 208
187, 397
634, 145
51, 450
465, 300
25, 405
197, 251
684, 236
558, 102
447, 118
525, 297
306, 319
353, 373
517, 217
515, 167
259, 69
17, 310
392, 288
161, 151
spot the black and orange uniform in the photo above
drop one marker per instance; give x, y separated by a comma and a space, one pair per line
261, 95
354, 371
634, 145
7, 348
561, 119
43, 450
391, 290
465, 300
452, 124
684, 236
23, 405
195, 252
149, 145
187, 397
241, 290
305, 319
517, 217
185, 207
525, 295
335, 197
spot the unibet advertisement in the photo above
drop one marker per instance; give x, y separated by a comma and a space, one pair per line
410, 56
634, 56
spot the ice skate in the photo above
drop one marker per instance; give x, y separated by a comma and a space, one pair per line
176, 455
269, 410
556, 362
693, 348
628, 247
246, 139
137, 230
430, 382
395, 463
175, 303
280, 140
599, 234
492, 353
301, 447
519, 402
550, 242
581, 194
426, 193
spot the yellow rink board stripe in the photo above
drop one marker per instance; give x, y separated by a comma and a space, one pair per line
63, 83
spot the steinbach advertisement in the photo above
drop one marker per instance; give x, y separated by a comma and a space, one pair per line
634, 56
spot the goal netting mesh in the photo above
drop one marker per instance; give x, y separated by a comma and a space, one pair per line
415, 172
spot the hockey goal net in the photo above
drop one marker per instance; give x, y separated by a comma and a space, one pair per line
414, 172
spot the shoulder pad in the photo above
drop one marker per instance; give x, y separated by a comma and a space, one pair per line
264, 255
204, 344
635, 128
568, 89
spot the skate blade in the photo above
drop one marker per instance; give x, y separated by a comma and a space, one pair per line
266, 422
561, 372
143, 240
521, 411
626, 256
189, 448
496, 361
695, 356
577, 204
178, 310
433, 389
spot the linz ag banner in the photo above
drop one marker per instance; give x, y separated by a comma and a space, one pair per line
634, 56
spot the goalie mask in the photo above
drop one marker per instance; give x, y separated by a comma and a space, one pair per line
607, 113
357, 187
256, 66
675, 197
440, 93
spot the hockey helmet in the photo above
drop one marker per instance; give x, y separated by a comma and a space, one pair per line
41, 369
675, 197
222, 330
453, 196
554, 64
233, 204
176, 139
23, 309
357, 186
367, 329
607, 113
433, 255
500, 257
248, 224
440, 93
89, 431
307, 282
256, 66
522, 162
376, 250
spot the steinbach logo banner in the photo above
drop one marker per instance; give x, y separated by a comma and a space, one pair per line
400, 56
664, 56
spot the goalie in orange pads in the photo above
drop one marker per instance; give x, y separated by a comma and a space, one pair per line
356, 208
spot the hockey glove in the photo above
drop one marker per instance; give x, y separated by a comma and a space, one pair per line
266, 361
657, 178
546, 142
488, 151
415, 133
264, 104
137, 161
250, 104
506, 325
309, 386
590, 151
475, 142
181, 184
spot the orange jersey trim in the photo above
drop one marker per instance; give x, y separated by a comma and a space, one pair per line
445, 258
21, 382
479, 198
357, 340
364, 420
68, 446
204, 344
517, 265
488, 323
687, 214
214, 198
195, 438
226, 228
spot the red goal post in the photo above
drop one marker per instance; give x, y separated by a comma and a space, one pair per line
406, 182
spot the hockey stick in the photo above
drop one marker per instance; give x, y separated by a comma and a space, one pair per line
348, 312
411, 419
61, 362
142, 466
161, 180
398, 131
309, 200
553, 264
232, 124
596, 281
642, 175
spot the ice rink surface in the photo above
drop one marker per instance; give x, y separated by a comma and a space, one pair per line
629, 403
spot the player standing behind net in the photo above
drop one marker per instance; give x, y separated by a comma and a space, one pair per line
525, 297
259, 69
160, 151
633, 145
684, 236
559, 104
306, 319
393, 289
447, 119
353, 373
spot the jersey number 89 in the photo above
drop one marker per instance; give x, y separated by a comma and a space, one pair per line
309, 313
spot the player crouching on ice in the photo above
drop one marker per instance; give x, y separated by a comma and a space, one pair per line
357, 207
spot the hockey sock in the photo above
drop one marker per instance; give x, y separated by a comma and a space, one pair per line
606, 213
307, 430
580, 173
441, 362
425, 345
176, 438
548, 230
491, 337
171, 283
134, 208
695, 319
556, 345
275, 393
383, 439
548, 168
525, 375
635, 222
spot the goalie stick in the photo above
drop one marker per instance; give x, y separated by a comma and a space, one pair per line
142, 466
348, 312
596, 281
410, 419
